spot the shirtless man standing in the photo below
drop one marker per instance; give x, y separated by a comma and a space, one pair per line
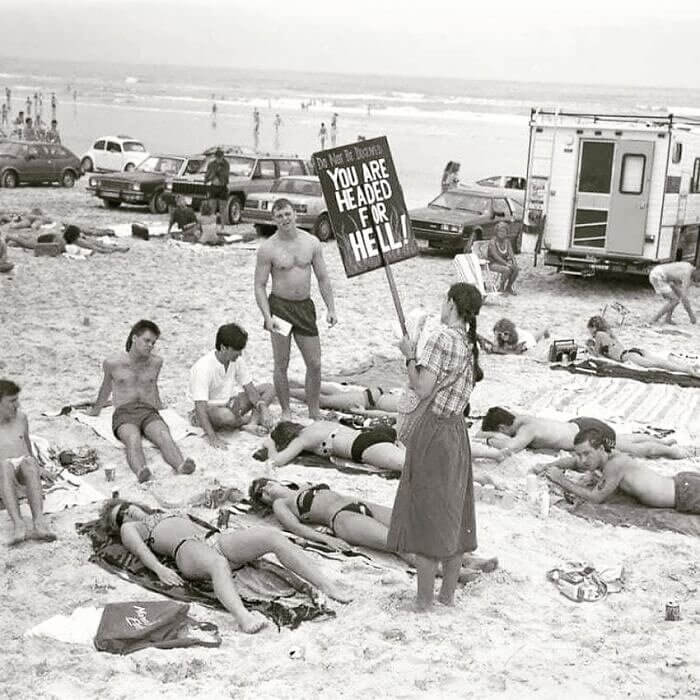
672, 282
512, 433
289, 256
18, 466
681, 492
132, 380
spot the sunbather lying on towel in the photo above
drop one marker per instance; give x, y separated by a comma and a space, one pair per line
18, 466
620, 471
511, 433
352, 522
5, 264
202, 554
378, 446
508, 339
337, 397
605, 344
70, 237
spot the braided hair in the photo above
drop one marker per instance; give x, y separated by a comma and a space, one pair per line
467, 299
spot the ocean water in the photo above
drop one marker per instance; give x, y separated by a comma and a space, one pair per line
481, 124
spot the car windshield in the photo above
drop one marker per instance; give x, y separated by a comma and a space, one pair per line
294, 186
240, 166
461, 201
134, 146
167, 166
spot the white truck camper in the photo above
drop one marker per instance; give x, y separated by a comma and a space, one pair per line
613, 192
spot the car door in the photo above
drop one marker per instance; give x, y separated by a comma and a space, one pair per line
34, 163
264, 176
113, 156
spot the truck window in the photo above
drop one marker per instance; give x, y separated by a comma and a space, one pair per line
596, 167
695, 180
265, 170
632, 173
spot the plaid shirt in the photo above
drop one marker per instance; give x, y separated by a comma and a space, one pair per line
448, 355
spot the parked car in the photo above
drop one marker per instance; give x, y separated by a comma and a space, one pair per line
250, 172
514, 185
29, 161
113, 153
304, 192
145, 184
460, 216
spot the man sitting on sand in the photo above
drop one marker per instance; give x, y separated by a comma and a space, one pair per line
620, 471
223, 390
69, 242
19, 467
512, 433
132, 380
185, 219
672, 281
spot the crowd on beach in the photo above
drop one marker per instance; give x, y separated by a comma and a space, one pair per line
25, 127
432, 523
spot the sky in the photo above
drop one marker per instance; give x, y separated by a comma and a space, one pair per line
597, 41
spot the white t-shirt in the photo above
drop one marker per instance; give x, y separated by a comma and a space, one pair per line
209, 381
526, 337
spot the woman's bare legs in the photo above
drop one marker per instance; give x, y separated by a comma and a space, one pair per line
426, 570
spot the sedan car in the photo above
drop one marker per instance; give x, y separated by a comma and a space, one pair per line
28, 161
146, 184
113, 153
460, 216
514, 185
304, 192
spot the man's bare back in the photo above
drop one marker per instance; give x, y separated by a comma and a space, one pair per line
639, 481
290, 262
546, 433
12, 440
134, 380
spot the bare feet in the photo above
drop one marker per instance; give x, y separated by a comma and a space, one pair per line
41, 534
338, 593
467, 575
144, 475
485, 565
187, 467
19, 535
315, 415
422, 606
445, 600
252, 623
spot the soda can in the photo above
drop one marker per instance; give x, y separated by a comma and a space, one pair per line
673, 611
222, 520
109, 473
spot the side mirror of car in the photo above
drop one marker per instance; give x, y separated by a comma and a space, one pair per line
497, 214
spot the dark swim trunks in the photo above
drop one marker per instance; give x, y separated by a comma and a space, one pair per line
367, 438
357, 507
605, 430
135, 413
218, 192
687, 492
301, 314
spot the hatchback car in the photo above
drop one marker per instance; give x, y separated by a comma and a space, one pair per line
460, 216
113, 153
145, 184
304, 193
31, 162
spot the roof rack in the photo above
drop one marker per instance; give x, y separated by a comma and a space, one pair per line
124, 136
651, 120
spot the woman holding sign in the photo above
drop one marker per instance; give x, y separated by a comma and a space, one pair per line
433, 514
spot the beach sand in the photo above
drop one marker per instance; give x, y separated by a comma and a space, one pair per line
511, 633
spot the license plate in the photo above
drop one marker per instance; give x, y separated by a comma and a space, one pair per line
422, 243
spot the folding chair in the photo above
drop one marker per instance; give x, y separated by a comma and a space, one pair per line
473, 269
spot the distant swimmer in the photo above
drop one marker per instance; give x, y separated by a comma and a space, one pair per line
53, 107
334, 128
213, 112
277, 124
322, 134
28, 106
256, 128
4, 115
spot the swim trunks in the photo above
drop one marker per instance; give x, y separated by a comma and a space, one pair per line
135, 413
371, 401
658, 281
218, 192
687, 492
357, 507
584, 423
301, 314
211, 539
367, 438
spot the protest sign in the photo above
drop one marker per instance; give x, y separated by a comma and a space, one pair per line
365, 205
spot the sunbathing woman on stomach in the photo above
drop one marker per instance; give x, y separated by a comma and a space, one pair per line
351, 521
604, 343
201, 554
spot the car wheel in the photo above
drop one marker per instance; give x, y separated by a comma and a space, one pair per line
158, 203
86, 165
112, 203
234, 210
9, 179
68, 178
322, 229
129, 167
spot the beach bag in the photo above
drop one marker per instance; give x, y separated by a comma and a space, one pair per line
129, 627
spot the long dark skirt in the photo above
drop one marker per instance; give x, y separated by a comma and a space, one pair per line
434, 507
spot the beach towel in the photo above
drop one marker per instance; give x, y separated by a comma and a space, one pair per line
609, 368
264, 586
653, 408
625, 511
179, 427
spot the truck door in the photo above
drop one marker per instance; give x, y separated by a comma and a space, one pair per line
627, 218
593, 187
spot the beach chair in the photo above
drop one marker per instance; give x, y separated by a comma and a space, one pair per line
473, 269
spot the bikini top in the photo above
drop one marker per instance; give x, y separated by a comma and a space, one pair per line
305, 499
152, 521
